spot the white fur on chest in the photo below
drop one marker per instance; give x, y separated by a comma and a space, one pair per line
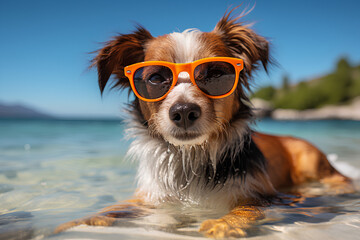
176, 174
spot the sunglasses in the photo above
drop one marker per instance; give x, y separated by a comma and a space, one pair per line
216, 77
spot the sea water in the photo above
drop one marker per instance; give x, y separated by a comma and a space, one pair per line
55, 171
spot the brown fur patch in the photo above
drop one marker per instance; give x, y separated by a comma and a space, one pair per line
123, 50
160, 49
243, 43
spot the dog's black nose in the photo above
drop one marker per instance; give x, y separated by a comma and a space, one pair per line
184, 114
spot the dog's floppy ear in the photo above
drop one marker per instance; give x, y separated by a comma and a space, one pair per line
243, 43
123, 50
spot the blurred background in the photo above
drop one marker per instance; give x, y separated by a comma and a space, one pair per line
45, 50
62, 147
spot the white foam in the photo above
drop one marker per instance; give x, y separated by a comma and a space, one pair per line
344, 167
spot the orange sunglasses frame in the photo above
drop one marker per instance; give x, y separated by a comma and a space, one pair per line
177, 68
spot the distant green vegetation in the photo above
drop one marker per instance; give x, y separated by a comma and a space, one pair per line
338, 87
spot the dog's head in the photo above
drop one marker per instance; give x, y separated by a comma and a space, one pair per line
186, 116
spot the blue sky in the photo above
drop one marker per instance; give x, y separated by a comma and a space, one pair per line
45, 45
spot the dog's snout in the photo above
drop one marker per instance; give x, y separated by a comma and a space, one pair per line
184, 114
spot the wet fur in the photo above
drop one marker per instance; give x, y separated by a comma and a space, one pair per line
215, 174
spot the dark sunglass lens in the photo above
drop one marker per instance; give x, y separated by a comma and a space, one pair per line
153, 82
215, 78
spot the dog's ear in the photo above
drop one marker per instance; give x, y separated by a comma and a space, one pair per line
123, 50
243, 43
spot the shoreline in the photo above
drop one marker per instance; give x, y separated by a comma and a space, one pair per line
341, 112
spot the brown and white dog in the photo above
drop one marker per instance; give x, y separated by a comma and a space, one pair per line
214, 159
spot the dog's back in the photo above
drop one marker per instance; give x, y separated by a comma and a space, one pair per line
293, 161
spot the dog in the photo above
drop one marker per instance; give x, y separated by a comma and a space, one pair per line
190, 122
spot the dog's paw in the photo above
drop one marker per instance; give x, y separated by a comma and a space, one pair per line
219, 228
91, 221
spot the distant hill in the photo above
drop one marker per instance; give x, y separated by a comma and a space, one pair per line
338, 87
20, 111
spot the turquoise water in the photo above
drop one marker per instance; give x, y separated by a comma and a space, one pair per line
54, 171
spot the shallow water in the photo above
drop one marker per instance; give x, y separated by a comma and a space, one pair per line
54, 171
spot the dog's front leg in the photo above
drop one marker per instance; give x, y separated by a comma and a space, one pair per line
232, 224
108, 216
